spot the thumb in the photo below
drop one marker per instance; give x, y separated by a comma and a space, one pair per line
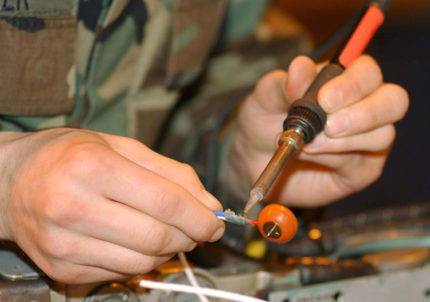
301, 72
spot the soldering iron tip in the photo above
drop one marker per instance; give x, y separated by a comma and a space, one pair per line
252, 201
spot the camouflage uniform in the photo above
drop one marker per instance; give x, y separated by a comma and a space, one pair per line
132, 67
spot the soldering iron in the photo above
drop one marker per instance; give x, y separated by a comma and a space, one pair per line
306, 118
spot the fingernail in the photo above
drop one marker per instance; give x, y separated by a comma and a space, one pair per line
332, 99
337, 124
216, 205
218, 233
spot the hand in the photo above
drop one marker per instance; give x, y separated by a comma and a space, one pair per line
346, 157
89, 206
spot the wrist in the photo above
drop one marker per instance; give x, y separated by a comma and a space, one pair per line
10, 148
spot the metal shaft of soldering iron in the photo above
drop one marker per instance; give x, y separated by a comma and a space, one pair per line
289, 143
306, 118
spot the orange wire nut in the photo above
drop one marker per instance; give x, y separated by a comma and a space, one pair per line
277, 223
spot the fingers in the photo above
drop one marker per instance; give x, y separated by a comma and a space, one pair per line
85, 258
121, 225
115, 258
143, 190
266, 107
301, 72
361, 78
358, 102
373, 141
177, 172
97, 170
269, 93
333, 176
68, 273
359, 170
386, 105
342, 161
275, 91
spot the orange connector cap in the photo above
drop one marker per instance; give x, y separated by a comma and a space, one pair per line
277, 223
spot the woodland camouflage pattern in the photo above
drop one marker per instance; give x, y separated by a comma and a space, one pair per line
120, 66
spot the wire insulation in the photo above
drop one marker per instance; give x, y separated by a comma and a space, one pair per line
190, 275
219, 214
216, 293
361, 36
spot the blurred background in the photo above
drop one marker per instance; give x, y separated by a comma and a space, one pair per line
402, 48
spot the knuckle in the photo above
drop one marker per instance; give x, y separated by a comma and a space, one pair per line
373, 68
80, 159
75, 151
271, 75
167, 203
187, 170
65, 273
145, 265
365, 75
53, 271
54, 208
63, 211
132, 143
57, 249
158, 239
45, 245
267, 80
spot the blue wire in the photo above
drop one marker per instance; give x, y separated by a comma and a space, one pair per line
218, 213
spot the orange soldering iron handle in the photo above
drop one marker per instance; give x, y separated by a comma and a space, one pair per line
282, 217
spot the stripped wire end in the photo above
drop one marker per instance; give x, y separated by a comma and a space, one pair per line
230, 216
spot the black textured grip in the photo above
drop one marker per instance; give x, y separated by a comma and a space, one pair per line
305, 114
